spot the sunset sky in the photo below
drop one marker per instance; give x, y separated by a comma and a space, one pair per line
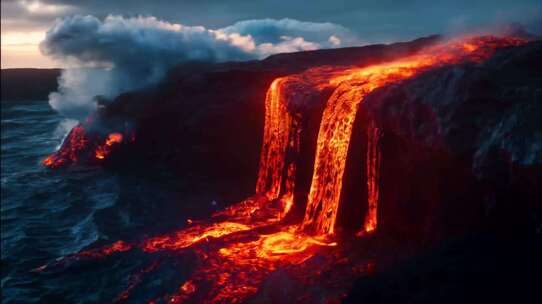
25, 22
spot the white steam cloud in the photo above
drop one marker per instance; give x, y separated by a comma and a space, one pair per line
119, 54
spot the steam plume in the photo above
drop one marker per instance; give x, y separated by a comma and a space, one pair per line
119, 54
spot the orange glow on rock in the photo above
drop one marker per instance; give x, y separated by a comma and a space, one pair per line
191, 236
77, 141
235, 255
188, 287
80, 143
338, 117
277, 139
373, 178
118, 246
103, 151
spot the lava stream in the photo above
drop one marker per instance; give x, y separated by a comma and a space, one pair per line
373, 178
103, 151
338, 117
69, 152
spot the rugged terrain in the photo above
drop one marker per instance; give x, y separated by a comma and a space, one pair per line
28, 84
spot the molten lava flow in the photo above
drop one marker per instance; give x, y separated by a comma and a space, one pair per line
238, 248
285, 99
80, 143
119, 246
373, 178
275, 141
191, 236
77, 142
252, 261
103, 151
188, 287
338, 117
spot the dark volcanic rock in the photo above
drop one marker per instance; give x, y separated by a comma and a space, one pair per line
28, 84
462, 147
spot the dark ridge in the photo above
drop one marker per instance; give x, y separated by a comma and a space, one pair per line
344, 56
28, 84
480, 269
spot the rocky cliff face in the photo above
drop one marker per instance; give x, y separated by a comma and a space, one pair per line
462, 146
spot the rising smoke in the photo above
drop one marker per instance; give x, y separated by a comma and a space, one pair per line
117, 54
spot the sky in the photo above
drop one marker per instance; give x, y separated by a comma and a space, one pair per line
24, 23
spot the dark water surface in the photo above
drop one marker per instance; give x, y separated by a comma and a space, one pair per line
50, 214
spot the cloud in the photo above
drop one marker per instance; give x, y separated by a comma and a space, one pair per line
118, 54
38, 8
24, 15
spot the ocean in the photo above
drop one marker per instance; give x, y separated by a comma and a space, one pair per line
50, 214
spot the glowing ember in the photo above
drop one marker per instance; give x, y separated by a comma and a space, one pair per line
119, 246
104, 150
188, 287
276, 131
78, 143
338, 118
239, 268
332, 146
282, 131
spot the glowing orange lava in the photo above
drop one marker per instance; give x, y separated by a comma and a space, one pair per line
118, 246
69, 152
79, 143
235, 255
276, 133
103, 150
373, 178
276, 175
239, 268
